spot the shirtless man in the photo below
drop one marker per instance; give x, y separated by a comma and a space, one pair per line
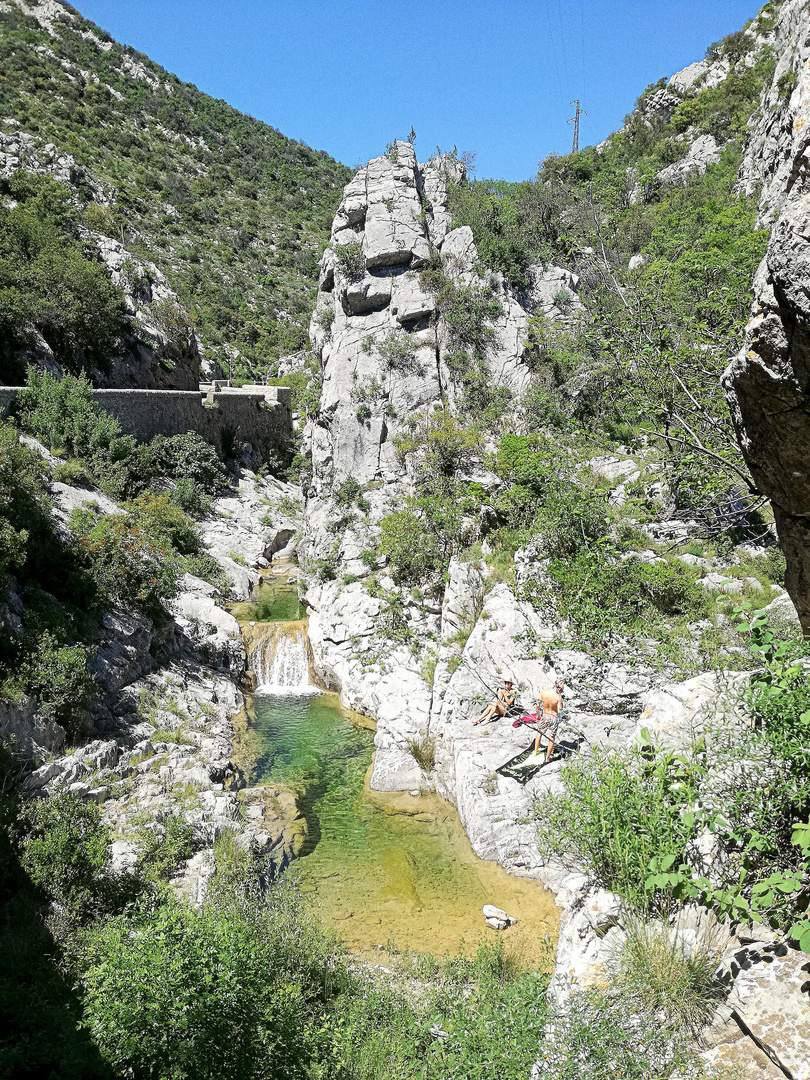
498, 707
549, 711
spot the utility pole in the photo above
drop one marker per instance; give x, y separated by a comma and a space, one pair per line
575, 121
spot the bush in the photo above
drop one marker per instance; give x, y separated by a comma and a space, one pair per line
237, 988
186, 457
350, 259
74, 473
617, 812
125, 562
420, 539
188, 496
601, 1036
661, 971
65, 850
57, 676
442, 447
397, 352
161, 856
163, 521
47, 286
600, 596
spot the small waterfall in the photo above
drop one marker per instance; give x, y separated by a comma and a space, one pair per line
279, 657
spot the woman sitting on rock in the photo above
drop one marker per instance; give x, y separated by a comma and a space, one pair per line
504, 701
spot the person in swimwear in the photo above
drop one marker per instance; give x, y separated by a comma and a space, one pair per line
498, 707
549, 711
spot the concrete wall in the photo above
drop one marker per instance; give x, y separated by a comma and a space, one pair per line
259, 416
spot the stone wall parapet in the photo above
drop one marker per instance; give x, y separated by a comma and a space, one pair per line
224, 417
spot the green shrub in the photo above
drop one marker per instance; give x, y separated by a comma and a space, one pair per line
240, 987
350, 259
161, 519
601, 1036
423, 752
786, 84
397, 352
600, 596
65, 850
161, 856
442, 447
186, 457
126, 563
616, 812
662, 972
57, 676
188, 496
420, 539
47, 286
74, 473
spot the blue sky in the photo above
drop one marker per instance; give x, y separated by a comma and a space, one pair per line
494, 77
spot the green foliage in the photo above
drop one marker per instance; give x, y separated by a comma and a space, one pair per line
617, 811
65, 850
601, 597
601, 1036
74, 473
350, 259
132, 558
423, 752
514, 224
199, 186
397, 352
187, 495
420, 539
62, 414
161, 856
47, 284
186, 457
57, 675
441, 446
242, 991
350, 493
786, 84
661, 973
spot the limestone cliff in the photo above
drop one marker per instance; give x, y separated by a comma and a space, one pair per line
768, 382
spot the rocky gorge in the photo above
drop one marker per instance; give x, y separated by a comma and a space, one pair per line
427, 576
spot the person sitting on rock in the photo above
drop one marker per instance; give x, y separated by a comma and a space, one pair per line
504, 701
549, 711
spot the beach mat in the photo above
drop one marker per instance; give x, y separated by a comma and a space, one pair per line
523, 775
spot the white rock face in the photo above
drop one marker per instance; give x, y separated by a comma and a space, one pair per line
678, 713
394, 214
702, 152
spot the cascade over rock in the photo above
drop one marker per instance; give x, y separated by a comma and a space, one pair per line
768, 382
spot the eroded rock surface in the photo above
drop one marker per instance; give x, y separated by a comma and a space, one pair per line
767, 382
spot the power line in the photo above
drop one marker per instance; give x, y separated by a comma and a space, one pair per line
553, 48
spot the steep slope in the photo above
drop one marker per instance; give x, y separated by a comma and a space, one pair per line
232, 212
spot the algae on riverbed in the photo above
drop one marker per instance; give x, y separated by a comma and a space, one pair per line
395, 871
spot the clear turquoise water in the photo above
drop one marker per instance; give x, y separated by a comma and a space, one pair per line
384, 869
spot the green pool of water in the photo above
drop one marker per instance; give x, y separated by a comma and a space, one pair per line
385, 869
274, 600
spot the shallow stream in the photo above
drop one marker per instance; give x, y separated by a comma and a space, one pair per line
395, 871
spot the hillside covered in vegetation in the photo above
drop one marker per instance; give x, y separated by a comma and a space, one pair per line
233, 212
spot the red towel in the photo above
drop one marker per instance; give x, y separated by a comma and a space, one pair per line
530, 718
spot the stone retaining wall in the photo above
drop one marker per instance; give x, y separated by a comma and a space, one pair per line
224, 418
